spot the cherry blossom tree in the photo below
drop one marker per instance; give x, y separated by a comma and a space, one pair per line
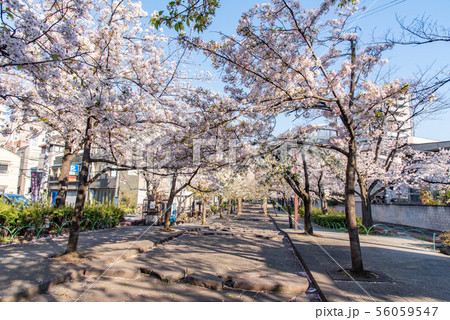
37, 34
291, 58
328, 174
383, 162
100, 89
307, 170
430, 169
36, 37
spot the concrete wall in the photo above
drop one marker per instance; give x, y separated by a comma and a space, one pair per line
428, 217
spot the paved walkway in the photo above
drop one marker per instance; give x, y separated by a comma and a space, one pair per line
28, 268
149, 265
184, 268
409, 269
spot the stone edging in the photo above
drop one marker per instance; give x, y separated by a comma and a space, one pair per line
25, 294
321, 280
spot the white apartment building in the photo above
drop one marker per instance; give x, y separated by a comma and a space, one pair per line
9, 171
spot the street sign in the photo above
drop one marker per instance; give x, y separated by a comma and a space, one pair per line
74, 168
36, 178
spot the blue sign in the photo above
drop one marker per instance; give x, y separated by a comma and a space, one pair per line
74, 168
54, 194
173, 216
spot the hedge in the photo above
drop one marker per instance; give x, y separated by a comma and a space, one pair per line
35, 216
333, 220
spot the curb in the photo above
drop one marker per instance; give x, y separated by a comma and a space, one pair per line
33, 290
325, 285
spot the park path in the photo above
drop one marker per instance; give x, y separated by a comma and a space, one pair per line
409, 269
27, 268
149, 265
184, 268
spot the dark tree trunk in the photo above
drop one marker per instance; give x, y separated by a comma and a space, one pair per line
168, 213
366, 206
63, 179
289, 208
321, 192
83, 184
172, 195
366, 209
307, 201
307, 205
350, 212
350, 178
324, 205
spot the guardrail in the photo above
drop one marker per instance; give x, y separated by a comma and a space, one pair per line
13, 233
338, 226
341, 226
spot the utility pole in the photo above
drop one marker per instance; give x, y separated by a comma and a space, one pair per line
296, 196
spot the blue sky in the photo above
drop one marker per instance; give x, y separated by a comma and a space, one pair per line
379, 18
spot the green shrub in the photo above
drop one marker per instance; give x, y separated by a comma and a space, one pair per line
224, 204
9, 214
213, 208
102, 213
36, 215
332, 219
315, 211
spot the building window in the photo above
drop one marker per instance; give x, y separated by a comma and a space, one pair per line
103, 195
3, 168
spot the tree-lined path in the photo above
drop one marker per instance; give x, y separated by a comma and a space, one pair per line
239, 258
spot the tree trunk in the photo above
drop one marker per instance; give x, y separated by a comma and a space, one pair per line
204, 212
324, 205
239, 206
83, 184
366, 209
307, 201
265, 206
321, 192
168, 212
307, 205
289, 208
350, 212
180, 203
63, 179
